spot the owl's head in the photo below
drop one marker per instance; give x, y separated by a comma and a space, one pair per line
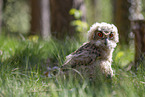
103, 34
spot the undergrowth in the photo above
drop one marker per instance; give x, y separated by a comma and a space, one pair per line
23, 62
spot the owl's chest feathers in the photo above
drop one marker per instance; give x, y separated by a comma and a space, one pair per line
105, 54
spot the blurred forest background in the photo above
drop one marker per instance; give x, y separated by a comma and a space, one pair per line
55, 17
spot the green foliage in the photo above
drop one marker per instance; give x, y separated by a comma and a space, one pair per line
16, 16
24, 61
80, 25
33, 51
124, 56
76, 13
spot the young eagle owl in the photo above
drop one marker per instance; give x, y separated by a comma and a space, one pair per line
95, 56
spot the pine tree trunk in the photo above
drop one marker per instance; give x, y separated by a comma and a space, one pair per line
35, 17
40, 18
61, 19
121, 19
138, 27
45, 11
1, 2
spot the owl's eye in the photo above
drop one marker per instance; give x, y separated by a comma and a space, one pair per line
111, 35
100, 34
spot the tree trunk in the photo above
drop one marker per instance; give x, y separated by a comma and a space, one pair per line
138, 27
93, 11
1, 2
45, 11
79, 5
135, 10
121, 19
35, 17
40, 18
61, 19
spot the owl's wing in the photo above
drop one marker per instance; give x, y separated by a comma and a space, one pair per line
85, 55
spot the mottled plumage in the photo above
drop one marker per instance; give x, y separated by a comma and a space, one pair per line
95, 56
85, 55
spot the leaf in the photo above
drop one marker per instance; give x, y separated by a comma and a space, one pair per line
76, 13
119, 54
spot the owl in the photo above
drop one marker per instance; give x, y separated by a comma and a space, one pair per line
94, 57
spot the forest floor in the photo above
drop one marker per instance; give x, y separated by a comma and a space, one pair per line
24, 61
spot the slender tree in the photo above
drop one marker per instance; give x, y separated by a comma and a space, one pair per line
138, 28
45, 11
61, 19
40, 18
35, 17
121, 19
1, 2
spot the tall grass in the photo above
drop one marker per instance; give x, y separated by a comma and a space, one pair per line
24, 61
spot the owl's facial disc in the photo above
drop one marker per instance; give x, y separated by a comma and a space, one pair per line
105, 36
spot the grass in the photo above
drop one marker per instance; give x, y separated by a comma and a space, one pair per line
23, 62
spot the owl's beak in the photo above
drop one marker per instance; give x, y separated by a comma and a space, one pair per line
106, 41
